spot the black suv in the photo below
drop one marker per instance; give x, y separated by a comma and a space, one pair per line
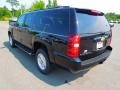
76, 39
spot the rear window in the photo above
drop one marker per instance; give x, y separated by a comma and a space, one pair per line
88, 23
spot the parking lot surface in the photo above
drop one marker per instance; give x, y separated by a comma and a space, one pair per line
18, 70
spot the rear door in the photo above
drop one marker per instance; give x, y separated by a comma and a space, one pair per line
94, 31
58, 29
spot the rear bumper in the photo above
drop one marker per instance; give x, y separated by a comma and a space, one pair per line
75, 65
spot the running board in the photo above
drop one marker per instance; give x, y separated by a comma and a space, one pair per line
24, 49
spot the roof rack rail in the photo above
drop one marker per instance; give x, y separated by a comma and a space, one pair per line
59, 7
53, 8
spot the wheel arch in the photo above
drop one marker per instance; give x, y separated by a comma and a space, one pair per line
37, 45
9, 33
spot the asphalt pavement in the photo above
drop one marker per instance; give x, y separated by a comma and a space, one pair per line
18, 70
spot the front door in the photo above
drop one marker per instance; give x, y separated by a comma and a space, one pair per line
18, 29
26, 38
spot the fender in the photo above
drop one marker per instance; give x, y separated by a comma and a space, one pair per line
42, 40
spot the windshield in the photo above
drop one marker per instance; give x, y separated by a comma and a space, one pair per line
91, 23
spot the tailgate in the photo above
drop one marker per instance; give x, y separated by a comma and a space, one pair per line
94, 31
93, 45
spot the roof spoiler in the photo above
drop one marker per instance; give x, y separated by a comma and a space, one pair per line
90, 12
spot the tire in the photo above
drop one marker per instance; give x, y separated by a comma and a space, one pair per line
11, 41
43, 62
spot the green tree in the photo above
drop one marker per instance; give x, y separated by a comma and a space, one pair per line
5, 14
52, 4
22, 8
112, 17
49, 4
13, 3
18, 13
37, 5
55, 3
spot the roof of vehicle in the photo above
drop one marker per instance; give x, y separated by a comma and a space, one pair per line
68, 7
49, 9
64, 7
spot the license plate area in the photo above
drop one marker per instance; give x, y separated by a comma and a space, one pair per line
99, 45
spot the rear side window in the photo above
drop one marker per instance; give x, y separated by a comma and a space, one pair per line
58, 22
87, 23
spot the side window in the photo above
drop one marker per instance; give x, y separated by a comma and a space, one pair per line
28, 21
38, 24
47, 24
61, 25
33, 21
21, 20
58, 22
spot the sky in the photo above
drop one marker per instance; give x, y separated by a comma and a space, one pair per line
101, 5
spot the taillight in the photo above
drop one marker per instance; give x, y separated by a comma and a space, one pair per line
109, 42
73, 47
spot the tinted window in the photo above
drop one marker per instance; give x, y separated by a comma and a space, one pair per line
38, 21
51, 21
58, 22
91, 23
34, 21
47, 24
21, 20
28, 21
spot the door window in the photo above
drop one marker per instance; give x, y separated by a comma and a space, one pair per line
21, 20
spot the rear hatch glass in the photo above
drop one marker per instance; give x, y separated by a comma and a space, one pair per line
87, 23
